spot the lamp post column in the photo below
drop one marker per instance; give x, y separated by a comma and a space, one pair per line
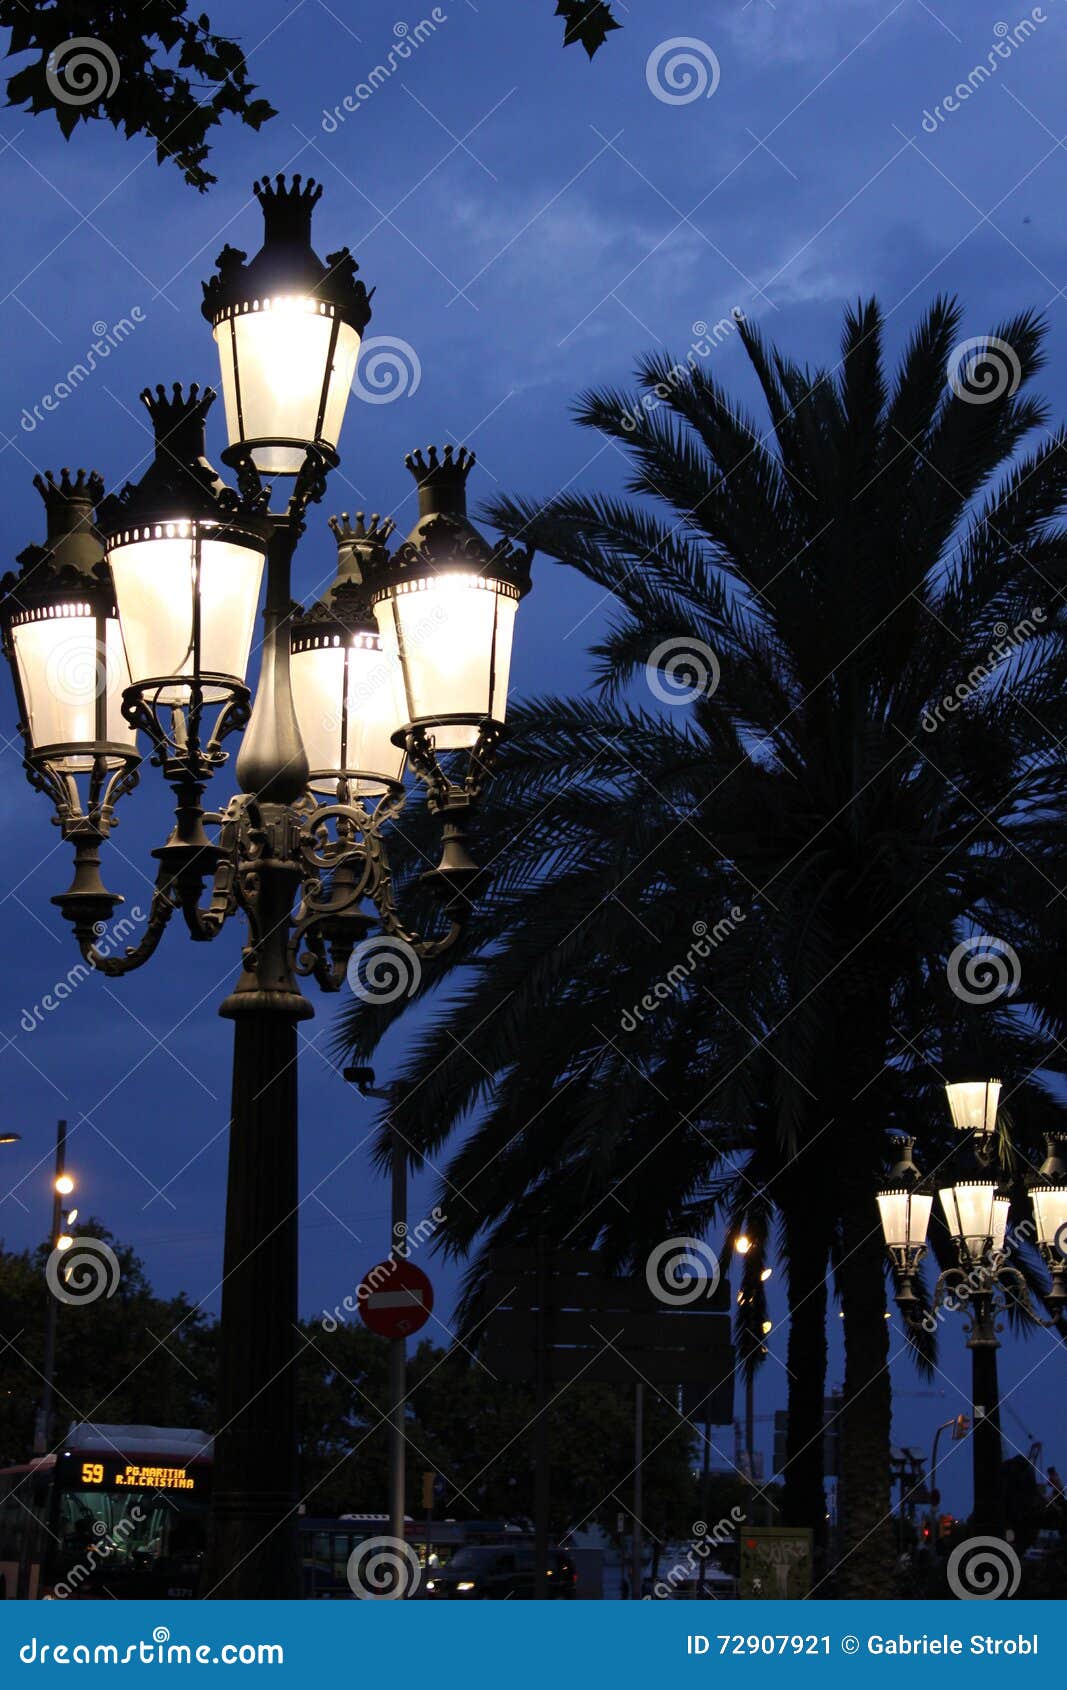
42, 1430
987, 1453
253, 1548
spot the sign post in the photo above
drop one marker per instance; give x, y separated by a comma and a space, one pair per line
395, 1301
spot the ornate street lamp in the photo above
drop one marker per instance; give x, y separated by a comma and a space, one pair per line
904, 1205
982, 1282
341, 707
347, 688
973, 1106
445, 604
1048, 1198
288, 328
61, 637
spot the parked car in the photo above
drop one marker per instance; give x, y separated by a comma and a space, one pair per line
496, 1571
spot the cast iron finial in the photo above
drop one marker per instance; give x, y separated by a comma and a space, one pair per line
179, 419
441, 479
287, 210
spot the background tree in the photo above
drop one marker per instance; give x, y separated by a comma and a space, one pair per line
153, 69
820, 583
150, 69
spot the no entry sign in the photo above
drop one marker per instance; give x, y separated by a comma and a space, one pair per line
395, 1299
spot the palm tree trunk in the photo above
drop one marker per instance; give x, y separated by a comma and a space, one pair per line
804, 1500
866, 1564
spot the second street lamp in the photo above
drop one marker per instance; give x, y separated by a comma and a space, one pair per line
300, 851
982, 1282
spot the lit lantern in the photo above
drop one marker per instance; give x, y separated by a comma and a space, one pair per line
445, 603
904, 1206
187, 563
347, 688
61, 636
1048, 1196
973, 1105
976, 1213
288, 329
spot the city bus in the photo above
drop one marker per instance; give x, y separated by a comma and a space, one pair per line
121, 1512
114, 1511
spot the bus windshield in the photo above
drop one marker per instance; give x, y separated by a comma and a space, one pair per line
128, 1543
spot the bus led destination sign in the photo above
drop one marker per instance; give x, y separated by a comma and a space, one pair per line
112, 1473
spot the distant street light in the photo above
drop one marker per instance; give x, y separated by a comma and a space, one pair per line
10, 1138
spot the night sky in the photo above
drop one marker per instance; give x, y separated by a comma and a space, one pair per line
532, 223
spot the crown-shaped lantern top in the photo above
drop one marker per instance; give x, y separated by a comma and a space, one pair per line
71, 537
73, 552
441, 479
179, 484
179, 420
361, 548
287, 210
360, 542
286, 264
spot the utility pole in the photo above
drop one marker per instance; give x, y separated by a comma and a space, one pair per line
398, 1347
363, 1078
42, 1430
636, 1545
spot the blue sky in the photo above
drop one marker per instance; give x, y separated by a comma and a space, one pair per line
532, 223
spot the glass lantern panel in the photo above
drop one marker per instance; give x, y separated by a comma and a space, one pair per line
357, 737
973, 1105
281, 352
969, 1212
1050, 1215
447, 625
63, 670
155, 583
905, 1217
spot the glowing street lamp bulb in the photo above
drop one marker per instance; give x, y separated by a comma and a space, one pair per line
766, 1274
64, 1185
742, 1244
72, 1215
64, 1241
767, 1324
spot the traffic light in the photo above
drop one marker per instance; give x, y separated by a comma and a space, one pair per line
945, 1525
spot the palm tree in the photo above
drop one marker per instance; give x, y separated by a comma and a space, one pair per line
868, 592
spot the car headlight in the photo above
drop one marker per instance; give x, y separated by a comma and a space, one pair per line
431, 1584
465, 1584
